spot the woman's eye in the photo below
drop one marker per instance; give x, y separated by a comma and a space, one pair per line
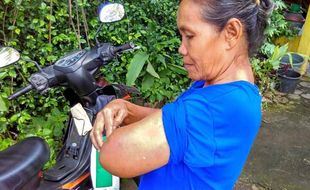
189, 36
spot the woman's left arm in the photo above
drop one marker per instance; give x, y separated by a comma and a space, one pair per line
137, 148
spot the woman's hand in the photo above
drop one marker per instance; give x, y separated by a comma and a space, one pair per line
108, 119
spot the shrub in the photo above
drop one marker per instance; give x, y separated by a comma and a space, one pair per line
45, 30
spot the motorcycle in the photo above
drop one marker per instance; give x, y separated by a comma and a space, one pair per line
21, 164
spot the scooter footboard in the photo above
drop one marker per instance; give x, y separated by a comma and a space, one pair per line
73, 162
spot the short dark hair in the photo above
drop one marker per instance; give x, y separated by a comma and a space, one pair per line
253, 14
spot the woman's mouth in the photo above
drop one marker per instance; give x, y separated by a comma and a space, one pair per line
187, 66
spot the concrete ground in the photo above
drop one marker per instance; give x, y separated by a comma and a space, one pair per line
280, 157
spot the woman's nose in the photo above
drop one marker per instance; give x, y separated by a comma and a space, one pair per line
182, 49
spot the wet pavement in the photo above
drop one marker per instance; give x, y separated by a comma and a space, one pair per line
280, 157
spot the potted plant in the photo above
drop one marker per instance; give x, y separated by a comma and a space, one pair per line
289, 70
288, 80
294, 16
287, 77
292, 60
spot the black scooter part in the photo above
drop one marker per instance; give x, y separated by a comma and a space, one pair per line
120, 90
72, 161
21, 163
71, 164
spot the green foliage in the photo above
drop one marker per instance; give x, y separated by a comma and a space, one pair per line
155, 70
44, 31
267, 62
3, 107
136, 66
49, 127
277, 27
274, 59
265, 70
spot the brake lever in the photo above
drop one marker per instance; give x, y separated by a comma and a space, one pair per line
132, 49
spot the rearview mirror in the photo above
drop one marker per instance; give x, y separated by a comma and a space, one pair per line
8, 56
111, 12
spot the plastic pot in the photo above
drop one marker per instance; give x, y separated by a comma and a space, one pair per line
295, 20
288, 80
297, 61
294, 17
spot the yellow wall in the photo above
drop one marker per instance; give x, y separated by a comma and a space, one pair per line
304, 44
294, 44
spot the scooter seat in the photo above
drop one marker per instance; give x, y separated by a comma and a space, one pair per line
21, 162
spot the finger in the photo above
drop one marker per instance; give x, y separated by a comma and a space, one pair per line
91, 135
108, 121
98, 129
120, 117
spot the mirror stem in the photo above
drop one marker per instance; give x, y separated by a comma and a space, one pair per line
38, 66
96, 35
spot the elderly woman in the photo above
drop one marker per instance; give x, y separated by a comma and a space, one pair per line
202, 140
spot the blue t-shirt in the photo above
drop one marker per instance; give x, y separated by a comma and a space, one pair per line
210, 131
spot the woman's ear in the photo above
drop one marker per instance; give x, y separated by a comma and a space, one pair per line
233, 32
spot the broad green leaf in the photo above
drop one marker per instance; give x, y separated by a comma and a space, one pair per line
3, 75
147, 82
276, 64
135, 67
34, 21
150, 69
24, 117
178, 69
5, 143
38, 122
3, 106
283, 50
137, 35
162, 60
12, 73
43, 6
275, 53
47, 132
51, 18
18, 2
14, 118
17, 30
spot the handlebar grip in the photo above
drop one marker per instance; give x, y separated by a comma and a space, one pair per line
20, 92
124, 47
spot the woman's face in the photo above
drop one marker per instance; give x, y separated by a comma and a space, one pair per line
202, 46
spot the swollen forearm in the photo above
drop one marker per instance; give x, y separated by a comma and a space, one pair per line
136, 113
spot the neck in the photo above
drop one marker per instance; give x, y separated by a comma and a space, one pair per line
239, 68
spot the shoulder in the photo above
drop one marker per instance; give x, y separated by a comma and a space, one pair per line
236, 101
227, 95
239, 98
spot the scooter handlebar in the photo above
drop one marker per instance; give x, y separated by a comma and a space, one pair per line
124, 47
20, 92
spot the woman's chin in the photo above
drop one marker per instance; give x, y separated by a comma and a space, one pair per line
193, 77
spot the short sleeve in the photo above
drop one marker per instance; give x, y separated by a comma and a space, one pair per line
174, 126
201, 144
189, 131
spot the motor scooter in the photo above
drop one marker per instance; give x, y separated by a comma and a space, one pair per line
21, 164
